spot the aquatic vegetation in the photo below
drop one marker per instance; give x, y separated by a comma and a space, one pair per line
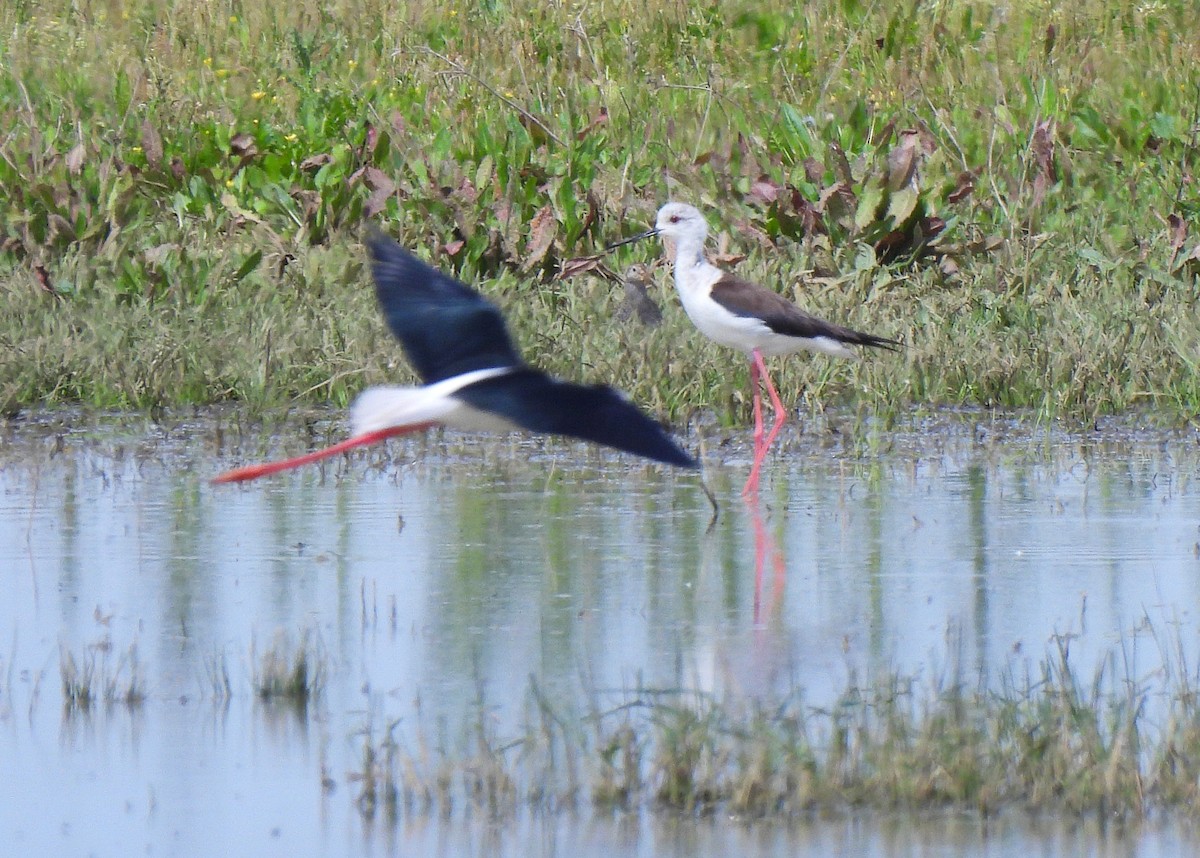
289, 672
216, 671
1046, 742
1003, 187
91, 679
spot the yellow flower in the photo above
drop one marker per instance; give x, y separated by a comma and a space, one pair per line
222, 73
291, 138
208, 61
229, 183
353, 64
233, 19
257, 94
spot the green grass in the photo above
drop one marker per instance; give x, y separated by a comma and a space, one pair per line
182, 187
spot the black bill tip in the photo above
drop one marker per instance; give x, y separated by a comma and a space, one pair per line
647, 234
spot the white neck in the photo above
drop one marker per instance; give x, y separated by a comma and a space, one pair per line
692, 270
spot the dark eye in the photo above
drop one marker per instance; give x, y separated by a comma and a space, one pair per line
675, 218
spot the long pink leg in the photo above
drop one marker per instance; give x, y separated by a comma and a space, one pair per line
752, 481
780, 411
759, 369
253, 472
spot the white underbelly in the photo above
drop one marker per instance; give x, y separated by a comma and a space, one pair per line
747, 333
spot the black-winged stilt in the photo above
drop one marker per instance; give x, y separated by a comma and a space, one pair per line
746, 316
474, 378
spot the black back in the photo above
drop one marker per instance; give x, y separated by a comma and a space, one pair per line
539, 403
446, 327
743, 298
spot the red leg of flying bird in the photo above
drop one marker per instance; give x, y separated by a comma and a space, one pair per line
252, 472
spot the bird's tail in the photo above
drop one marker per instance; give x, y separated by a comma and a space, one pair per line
390, 406
877, 342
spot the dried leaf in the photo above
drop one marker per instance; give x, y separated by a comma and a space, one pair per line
1042, 149
601, 119
453, 248
764, 190
964, 188
1178, 230
466, 191
152, 145
377, 180
309, 200
985, 245
1040, 185
841, 164
542, 230
43, 280
593, 213
838, 201
75, 159
243, 146
902, 161
580, 265
376, 202
814, 171
315, 162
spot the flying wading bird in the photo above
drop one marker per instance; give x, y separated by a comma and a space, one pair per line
746, 316
473, 376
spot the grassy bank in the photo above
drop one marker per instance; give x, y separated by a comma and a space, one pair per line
182, 187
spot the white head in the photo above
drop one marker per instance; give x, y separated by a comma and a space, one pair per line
681, 222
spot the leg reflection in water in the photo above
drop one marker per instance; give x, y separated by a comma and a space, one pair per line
765, 548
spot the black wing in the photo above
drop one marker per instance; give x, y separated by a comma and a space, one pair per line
446, 327
539, 403
783, 317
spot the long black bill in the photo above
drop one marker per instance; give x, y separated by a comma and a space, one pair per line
631, 239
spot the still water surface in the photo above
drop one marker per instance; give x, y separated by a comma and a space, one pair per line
451, 570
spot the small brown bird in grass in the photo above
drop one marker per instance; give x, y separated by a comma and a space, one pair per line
636, 280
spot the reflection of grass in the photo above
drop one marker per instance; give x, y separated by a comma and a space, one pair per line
216, 671
1047, 742
90, 679
292, 673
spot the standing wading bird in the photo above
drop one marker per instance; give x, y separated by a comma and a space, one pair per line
473, 377
746, 316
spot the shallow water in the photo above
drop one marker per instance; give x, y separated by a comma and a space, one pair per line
439, 576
